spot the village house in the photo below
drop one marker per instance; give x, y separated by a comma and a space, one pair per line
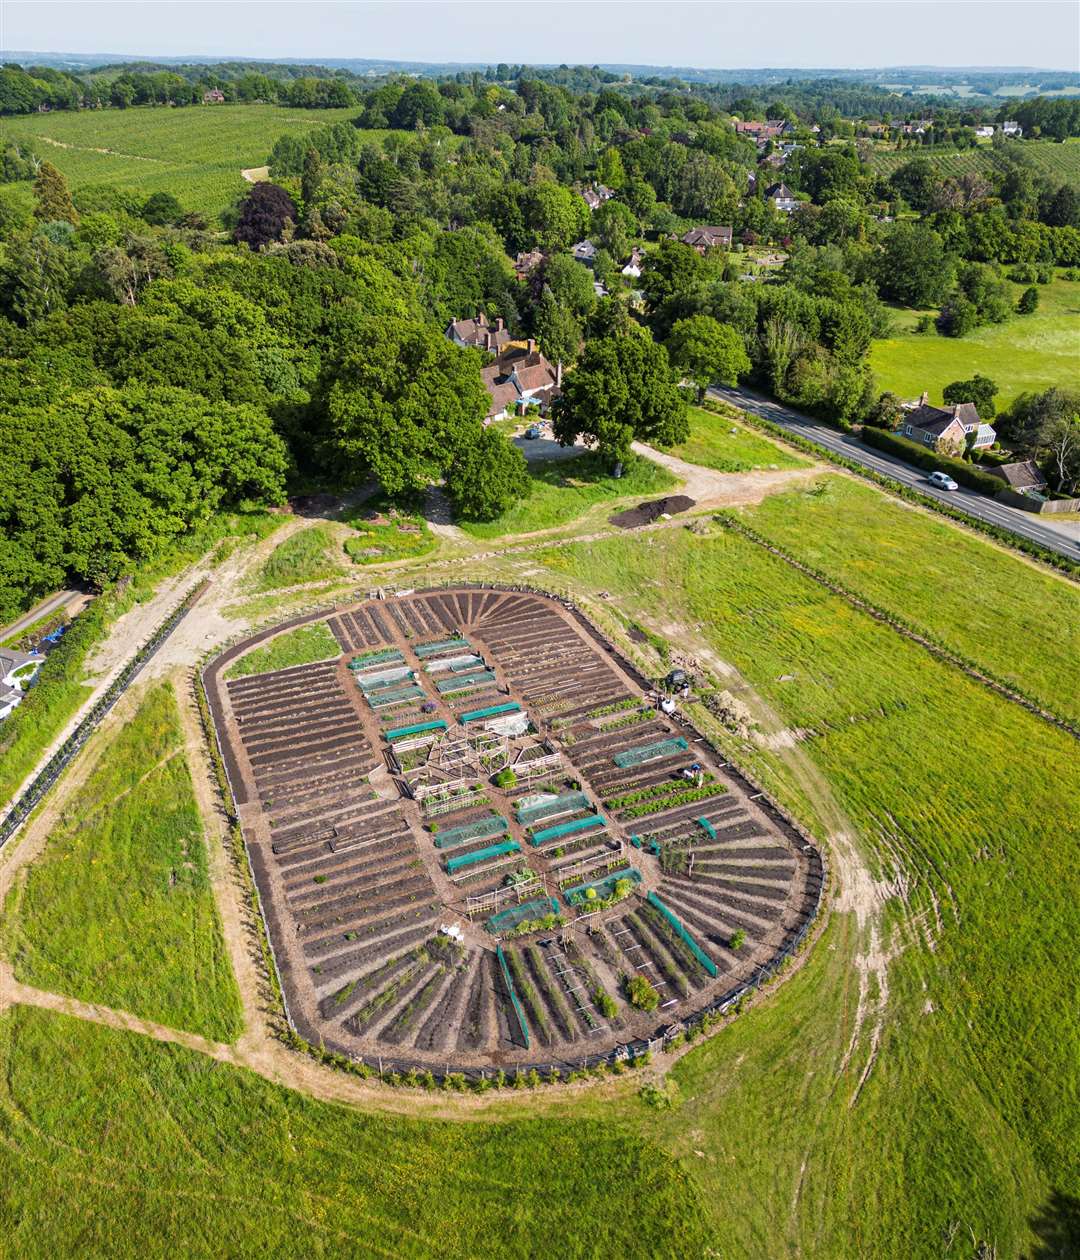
526, 263
479, 334
1024, 476
214, 96
521, 374
1012, 129
595, 196
17, 671
704, 239
584, 252
768, 130
984, 133
950, 430
782, 197
632, 268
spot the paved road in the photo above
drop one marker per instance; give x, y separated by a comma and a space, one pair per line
1062, 536
41, 609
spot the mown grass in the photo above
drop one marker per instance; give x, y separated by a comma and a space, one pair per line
561, 490
1014, 619
195, 153
306, 556
970, 1112
296, 647
386, 532
723, 444
119, 909
116, 1146
1028, 352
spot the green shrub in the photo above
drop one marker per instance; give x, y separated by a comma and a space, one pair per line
738, 939
505, 779
641, 994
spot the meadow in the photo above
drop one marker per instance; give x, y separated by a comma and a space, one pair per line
296, 647
112, 1145
1014, 619
309, 555
563, 490
387, 532
118, 909
965, 809
723, 444
194, 153
1027, 352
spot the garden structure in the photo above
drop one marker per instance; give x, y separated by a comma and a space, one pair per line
481, 760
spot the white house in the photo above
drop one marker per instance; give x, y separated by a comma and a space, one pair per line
17, 671
632, 269
1012, 129
782, 198
984, 133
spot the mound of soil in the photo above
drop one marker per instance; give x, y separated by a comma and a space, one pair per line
646, 513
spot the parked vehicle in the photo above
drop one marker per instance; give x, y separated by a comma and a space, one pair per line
942, 480
533, 431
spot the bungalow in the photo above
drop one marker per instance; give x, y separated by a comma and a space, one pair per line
1012, 129
946, 429
704, 239
479, 334
782, 198
1023, 476
584, 252
520, 375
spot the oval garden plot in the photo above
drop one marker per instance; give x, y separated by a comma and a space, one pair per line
478, 843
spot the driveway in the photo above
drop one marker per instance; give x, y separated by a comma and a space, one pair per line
1062, 536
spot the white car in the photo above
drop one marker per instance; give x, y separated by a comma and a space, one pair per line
942, 481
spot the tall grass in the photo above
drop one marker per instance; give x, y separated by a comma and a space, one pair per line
306, 556
296, 647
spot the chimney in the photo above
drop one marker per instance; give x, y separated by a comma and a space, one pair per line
499, 323
481, 319
531, 345
558, 375
924, 398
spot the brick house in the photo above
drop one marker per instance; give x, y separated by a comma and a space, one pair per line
521, 374
704, 239
950, 430
479, 334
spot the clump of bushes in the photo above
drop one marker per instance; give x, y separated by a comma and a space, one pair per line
640, 993
505, 779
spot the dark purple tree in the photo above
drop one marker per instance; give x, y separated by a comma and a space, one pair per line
264, 215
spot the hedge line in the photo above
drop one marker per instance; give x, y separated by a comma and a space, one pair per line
922, 457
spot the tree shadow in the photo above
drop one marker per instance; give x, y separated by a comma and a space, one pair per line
1057, 1227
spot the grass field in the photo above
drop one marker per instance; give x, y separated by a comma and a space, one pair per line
197, 154
1012, 618
309, 555
1028, 352
114, 1146
119, 909
296, 647
969, 1113
723, 444
564, 489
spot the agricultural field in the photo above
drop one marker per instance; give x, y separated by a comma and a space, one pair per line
968, 1073
1013, 618
119, 908
563, 490
1027, 352
113, 1145
194, 153
1059, 162
723, 444
301, 646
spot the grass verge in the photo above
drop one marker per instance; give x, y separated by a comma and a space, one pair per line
720, 443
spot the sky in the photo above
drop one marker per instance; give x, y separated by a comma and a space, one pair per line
788, 33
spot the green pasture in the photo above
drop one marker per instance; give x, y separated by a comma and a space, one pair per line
723, 444
301, 646
115, 1146
965, 806
562, 490
118, 909
1027, 352
309, 555
195, 153
1014, 619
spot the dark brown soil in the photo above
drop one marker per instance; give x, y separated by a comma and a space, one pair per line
646, 513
